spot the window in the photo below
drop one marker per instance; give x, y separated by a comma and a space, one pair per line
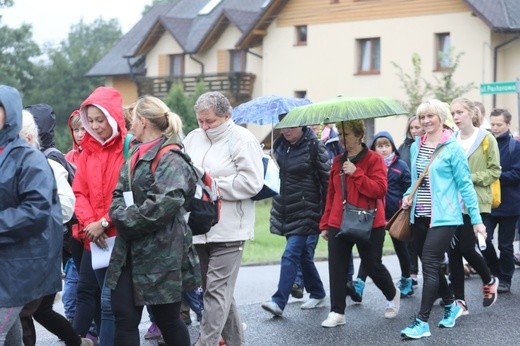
301, 35
300, 94
237, 62
369, 56
442, 51
209, 7
177, 65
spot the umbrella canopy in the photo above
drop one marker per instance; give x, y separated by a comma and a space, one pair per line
342, 109
265, 109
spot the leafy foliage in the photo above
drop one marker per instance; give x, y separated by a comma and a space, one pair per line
417, 88
182, 104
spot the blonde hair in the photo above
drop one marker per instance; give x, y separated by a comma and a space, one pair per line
357, 127
29, 130
75, 121
435, 107
471, 107
159, 115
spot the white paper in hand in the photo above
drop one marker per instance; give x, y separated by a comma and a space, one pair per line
101, 257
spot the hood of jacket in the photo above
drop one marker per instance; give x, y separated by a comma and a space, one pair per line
75, 145
45, 119
110, 102
12, 102
387, 135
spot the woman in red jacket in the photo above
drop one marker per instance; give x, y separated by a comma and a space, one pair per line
366, 184
96, 177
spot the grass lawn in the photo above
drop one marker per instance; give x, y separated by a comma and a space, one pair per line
268, 248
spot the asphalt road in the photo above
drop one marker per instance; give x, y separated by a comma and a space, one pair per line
496, 325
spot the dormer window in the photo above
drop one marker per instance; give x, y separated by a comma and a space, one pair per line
209, 7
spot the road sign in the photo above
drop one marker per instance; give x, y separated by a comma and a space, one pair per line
499, 88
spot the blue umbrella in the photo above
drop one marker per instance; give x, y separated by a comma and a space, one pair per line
266, 109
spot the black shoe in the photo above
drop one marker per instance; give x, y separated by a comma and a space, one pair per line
297, 291
351, 291
504, 287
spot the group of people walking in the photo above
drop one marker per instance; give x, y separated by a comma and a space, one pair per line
131, 200
457, 162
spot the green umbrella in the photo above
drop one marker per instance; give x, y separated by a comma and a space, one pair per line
342, 109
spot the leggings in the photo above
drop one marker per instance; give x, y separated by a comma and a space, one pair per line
463, 245
10, 327
431, 244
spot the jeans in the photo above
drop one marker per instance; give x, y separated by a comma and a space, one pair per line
312, 241
504, 266
195, 300
128, 316
70, 284
431, 244
297, 252
10, 326
463, 245
108, 328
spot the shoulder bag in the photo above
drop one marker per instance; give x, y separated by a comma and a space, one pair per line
399, 225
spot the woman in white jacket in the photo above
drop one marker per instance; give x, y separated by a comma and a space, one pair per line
234, 158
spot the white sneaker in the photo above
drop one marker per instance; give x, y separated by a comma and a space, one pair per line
313, 303
333, 320
273, 308
392, 307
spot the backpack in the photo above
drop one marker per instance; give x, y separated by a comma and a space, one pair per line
71, 169
204, 207
496, 193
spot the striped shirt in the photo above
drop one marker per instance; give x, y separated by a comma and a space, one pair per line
423, 206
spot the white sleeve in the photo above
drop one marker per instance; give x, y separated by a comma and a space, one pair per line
65, 193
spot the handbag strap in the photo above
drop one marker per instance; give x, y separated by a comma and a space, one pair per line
344, 189
424, 173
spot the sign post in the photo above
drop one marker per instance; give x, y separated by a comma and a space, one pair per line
503, 88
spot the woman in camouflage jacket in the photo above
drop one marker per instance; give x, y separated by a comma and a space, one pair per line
153, 258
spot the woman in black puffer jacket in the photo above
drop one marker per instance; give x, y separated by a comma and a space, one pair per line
296, 212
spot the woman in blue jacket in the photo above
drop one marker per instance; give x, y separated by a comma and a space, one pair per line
31, 233
436, 211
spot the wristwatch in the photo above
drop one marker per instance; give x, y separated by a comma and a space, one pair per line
104, 223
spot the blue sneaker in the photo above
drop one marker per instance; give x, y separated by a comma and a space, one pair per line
353, 288
359, 286
405, 285
451, 313
416, 330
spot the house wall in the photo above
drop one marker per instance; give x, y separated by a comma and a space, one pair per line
327, 65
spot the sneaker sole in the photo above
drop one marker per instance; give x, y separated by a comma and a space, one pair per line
332, 326
405, 336
275, 313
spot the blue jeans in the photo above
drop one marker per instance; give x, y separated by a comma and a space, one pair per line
108, 327
195, 300
296, 252
70, 284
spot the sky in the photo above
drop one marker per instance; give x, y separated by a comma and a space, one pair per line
51, 19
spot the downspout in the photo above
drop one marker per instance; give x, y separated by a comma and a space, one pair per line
495, 58
200, 63
253, 53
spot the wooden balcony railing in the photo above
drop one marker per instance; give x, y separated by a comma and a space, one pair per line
237, 86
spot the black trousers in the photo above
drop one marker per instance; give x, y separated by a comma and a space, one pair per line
41, 310
128, 316
340, 252
463, 245
431, 244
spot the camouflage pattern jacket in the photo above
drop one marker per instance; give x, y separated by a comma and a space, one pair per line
152, 234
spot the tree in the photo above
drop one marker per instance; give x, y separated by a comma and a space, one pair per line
182, 104
414, 85
417, 88
16, 51
445, 88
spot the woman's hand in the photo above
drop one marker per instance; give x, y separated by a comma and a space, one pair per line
480, 228
94, 230
348, 167
325, 234
406, 202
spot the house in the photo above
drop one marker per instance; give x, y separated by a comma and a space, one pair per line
316, 48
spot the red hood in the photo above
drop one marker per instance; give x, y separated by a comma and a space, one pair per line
109, 100
75, 145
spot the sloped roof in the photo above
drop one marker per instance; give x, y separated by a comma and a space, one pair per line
181, 19
115, 63
499, 15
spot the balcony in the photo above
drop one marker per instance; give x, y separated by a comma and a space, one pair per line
237, 86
